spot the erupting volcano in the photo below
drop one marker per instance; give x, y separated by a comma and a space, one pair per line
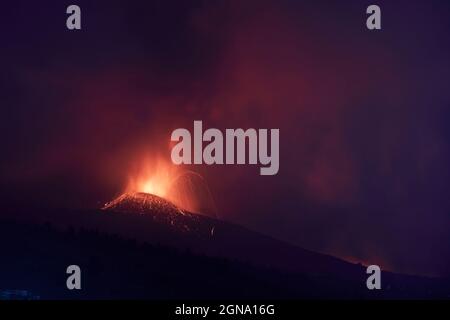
159, 186
170, 197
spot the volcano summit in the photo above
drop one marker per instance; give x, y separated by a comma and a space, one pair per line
143, 203
161, 211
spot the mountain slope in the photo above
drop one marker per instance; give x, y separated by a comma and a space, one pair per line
140, 232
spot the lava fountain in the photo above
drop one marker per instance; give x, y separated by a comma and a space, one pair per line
166, 186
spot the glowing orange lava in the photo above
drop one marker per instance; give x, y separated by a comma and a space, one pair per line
155, 177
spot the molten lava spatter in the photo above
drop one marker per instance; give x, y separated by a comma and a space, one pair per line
142, 203
161, 211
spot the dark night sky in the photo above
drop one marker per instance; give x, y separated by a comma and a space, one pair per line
363, 116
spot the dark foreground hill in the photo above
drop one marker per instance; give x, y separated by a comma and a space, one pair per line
126, 255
